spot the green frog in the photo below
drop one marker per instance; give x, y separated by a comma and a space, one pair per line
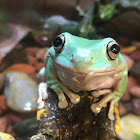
75, 64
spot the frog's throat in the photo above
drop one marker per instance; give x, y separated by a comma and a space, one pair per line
87, 78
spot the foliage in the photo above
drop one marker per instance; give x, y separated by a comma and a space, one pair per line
87, 31
103, 12
106, 11
137, 136
129, 3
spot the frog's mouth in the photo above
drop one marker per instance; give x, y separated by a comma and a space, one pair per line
87, 76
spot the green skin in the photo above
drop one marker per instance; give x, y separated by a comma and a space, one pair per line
84, 65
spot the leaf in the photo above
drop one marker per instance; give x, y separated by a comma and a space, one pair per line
107, 11
81, 12
137, 136
130, 3
87, 31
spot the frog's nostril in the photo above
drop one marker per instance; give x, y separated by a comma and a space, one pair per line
72, 58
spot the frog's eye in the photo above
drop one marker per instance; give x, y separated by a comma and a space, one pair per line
113, 50
58, 43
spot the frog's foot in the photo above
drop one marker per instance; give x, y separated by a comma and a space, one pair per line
74, 98
98, 93
60, 89
96, 108
62, 101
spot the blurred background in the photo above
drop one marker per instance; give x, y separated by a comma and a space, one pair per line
27, 29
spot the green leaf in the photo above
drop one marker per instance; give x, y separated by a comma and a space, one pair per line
137, 136
87, 31
130, 3
106, 12
81, 12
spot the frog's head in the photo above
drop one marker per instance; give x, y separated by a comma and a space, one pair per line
81, 56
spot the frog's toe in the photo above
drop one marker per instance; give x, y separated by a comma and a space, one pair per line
75, 99
62, 104
111, 116
95, 108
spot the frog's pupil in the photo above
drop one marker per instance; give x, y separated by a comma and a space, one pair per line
115, 48
57, 42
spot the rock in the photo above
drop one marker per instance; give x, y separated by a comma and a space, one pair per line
131, 82
45, 31
77, 121
21, 92
57, 18
32, 60
39, 66
136, 43
122, 23
136, 106
5, 136
128, 106
41, 54
3, 123
135, 70
31, 51
129, 61
129, 125
36, 78
122, 109
3, 107
17, 117
126, 96
128, 50
2, 79
26, 128
20, 67
135, 92
135, 55
38, 137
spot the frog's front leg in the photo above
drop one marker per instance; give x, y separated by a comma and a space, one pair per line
112, 97
96, 108
58, 87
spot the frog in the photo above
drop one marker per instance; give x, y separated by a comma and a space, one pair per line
75, 64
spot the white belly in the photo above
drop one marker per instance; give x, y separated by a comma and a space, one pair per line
98, 82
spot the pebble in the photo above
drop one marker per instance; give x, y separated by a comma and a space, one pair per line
129, 125
3, 123
122, 109
5, 136
136, 43
20, 67
136, 70
128, 50
135, 91
32, 60
31, 125
36, 78
31, 51
2, 79
129, 61
135, 55
39, 66
21, 92
3, 107
41, 54
136, 106
131, 82
126, 96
